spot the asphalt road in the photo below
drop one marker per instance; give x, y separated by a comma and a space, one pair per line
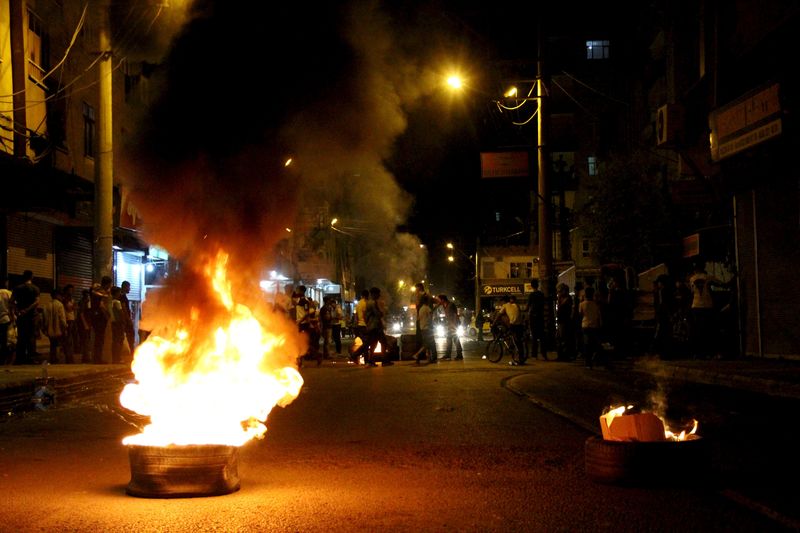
457, 446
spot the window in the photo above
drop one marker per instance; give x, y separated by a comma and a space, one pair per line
521, 270
586, 250
592, 162
88, 130
497, 216
597, 49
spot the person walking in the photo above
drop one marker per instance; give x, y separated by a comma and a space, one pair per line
427, 349
55, 324
451, 322
24, 305
536, 321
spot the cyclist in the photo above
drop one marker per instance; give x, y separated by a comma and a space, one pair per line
510, 316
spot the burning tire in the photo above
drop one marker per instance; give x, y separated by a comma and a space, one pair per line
648, 463
183, 471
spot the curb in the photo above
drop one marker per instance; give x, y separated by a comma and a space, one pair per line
769, 387
20, 396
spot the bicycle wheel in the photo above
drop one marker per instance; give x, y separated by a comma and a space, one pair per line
513, 349
494, 350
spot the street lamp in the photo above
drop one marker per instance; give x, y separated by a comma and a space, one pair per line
545, 238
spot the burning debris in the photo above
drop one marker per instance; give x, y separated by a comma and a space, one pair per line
208, 389
625, 423
638, 448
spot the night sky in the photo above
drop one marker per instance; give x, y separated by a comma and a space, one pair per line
351, 90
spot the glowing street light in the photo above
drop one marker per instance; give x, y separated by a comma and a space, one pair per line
455, 82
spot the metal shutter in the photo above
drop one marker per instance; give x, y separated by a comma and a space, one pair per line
74, 258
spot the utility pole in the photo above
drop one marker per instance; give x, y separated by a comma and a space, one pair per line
477, 314
543, 162
104, 169
18, 61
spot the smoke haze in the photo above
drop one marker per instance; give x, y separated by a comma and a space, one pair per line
240, 91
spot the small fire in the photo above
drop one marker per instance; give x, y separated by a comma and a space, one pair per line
644, 425
212, 383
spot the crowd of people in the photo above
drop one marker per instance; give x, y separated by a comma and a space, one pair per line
324, 327
76, 327
596, 323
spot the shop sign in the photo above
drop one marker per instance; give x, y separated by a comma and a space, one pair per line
691, 245
745, 122
500, 290
504, 164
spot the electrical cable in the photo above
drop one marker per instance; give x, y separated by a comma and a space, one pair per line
574, 100
594, 90
64, 58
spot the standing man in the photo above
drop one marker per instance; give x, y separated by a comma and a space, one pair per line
360, 320
536, 321
451, 323
704, 326
6, 319
25, 302
55, 325
376, 310
419, 289
336, 328
327, 316
301, 308
127, 315
71, 336
101, 312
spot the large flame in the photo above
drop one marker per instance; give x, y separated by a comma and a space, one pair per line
212, 383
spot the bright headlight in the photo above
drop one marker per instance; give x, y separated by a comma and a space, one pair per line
440, 331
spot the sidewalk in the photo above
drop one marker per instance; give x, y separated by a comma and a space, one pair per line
19, 383
773, 377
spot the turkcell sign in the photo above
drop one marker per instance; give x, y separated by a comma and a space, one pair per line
499, 290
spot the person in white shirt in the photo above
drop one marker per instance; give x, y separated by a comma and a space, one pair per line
6, 320
705, 324
591, 322
55, 324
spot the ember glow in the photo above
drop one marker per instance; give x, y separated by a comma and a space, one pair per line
212, 383
684, 434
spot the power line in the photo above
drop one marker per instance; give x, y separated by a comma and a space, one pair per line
604, 95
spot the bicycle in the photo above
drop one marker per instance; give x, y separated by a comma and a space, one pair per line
503, 342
